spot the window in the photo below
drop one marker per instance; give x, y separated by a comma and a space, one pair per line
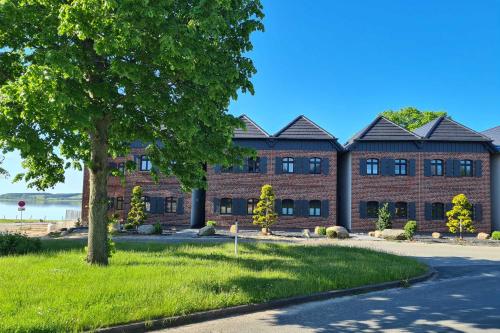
119, 203
436, 167
465, 168
372, 209
227, 169
287, 207
314, 208
287, 164
147, 201
121, 167
145, 163
226, 206
401, 210
438, 211
315, 165
372, 166
170, 205
254, 165
400, 167
251, 205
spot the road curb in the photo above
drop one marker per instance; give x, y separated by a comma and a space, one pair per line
156, 324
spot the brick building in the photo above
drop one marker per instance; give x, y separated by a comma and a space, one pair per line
417, 173
300, 161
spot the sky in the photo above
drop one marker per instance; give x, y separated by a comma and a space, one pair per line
341, 63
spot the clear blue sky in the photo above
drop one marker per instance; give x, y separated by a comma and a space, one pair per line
342, 62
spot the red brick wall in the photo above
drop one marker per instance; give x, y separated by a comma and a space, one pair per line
286, 186
419, 189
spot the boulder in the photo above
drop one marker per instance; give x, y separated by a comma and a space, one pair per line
306, 233
483, 236
232, 229
206, 231
393, 234
371, 234
436, 235
146, 229
266, 232
378, 233
341, 231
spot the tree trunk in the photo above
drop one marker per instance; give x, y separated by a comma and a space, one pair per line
98, 201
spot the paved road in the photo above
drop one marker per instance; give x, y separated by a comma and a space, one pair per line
465, 297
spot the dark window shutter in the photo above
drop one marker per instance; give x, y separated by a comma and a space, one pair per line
278, 166
391, 166
477, 211
427, 168
392, 209
362, 166
217, 168
298, 165
112, 165
478, 170
456, 168
303, 208
263, 165
137, 161
447, 207
412, 167
216, 205
386, 167
325, 166
428, 211
160, 205
245, 165
152, 205
240, 206
180, 206
325, 208
305, 165
362, 209
449, 168
412, 214
277, 206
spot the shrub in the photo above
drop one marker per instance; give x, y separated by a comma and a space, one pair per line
384, 220
410, 229
330, 233
264, 215
157, 228
15, 243
211, 224
320, 231
495, 235
129, 226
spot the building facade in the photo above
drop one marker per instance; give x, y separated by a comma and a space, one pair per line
416, 173
494, 134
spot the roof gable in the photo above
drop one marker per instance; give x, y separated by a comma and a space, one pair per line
303, 128
446, 129
494, 134
252, 131
382, 129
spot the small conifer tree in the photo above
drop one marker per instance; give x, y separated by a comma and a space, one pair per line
384, 220
460, 216
264, 214
137, 214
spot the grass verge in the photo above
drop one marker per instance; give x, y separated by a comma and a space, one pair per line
56, 291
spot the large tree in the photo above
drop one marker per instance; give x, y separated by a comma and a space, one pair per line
82, 79
411, 118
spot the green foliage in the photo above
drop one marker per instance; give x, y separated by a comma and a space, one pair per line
495, 235
15, 243
320, 231
129, 226
157, 228
410, 229
3, 172
264, 214
460, 216
411, 118
330, 233
211, 224
137, 213
384, 220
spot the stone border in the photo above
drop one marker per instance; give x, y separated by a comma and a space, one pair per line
193, 318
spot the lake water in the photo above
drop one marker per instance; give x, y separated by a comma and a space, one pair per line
38, 210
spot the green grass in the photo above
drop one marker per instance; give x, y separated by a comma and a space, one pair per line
56, 291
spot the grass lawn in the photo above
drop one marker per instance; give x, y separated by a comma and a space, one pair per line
56, 291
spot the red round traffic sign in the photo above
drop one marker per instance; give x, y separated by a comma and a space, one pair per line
21, 203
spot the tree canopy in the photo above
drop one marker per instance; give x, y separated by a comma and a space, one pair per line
82, 79
412, 118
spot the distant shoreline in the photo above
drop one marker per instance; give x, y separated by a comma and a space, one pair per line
42, 197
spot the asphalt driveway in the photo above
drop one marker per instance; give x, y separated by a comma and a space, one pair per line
465, 297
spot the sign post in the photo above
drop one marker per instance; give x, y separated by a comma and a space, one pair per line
21, 207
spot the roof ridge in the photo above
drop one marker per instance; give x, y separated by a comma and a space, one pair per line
434, 126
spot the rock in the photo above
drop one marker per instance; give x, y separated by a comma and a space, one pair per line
436, 235
341, 231
146, 229
51, 227
266, 231
64, 232
306, 233
393, 234
378, 233
233, 229
206, 231
483, 236
371, 234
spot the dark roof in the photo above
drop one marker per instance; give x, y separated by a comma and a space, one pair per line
252, 131
494, 134
382, 129
446, 129
303, 128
